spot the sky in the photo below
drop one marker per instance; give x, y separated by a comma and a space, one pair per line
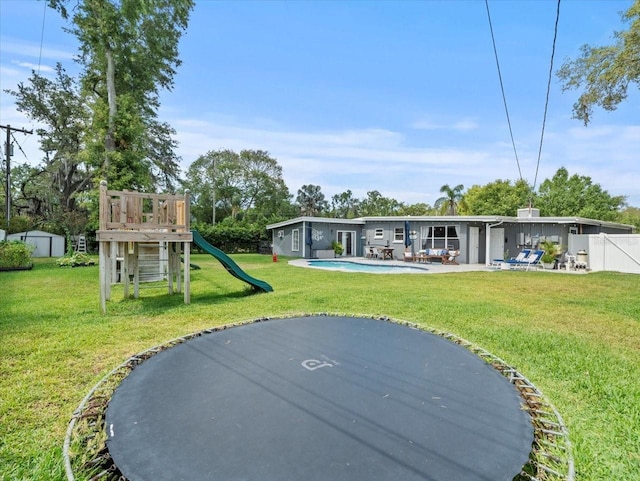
401, 97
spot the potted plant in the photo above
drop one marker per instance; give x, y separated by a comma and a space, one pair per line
551, 250
338, 249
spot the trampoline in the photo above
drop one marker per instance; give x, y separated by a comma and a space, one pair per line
318, 398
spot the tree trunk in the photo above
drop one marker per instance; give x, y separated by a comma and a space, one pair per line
110, 142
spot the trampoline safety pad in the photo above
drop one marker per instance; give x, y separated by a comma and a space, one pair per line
318, 399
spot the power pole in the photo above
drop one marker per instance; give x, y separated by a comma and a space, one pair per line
213, 191
7, 147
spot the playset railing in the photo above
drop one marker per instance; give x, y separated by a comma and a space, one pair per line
139, 211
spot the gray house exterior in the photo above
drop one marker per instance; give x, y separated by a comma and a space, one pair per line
480, 239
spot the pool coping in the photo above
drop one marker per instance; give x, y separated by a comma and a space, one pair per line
417, 268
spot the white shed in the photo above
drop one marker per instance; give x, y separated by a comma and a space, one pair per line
45, 243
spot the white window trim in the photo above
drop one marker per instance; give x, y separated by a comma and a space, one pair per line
378, 233
295, 240
397, 230
424, 232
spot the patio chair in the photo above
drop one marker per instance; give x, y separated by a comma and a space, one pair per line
451, 256
533, 259
524, 253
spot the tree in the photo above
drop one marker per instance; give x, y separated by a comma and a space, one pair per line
344, 205
311, 200
377, 205
265, 193
58, 105
248, 184
416, 209
499, 197
605, 73
32, 192
631, 216
449, 204
129, 51
578, 196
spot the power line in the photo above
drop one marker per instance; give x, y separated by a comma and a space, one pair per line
44, 15
546, 102
504, 97
20, 146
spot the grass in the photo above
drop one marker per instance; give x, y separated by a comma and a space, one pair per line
576, 337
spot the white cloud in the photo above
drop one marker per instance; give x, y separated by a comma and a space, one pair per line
458, 126
378, 159
33, 66
360, 160
22, 48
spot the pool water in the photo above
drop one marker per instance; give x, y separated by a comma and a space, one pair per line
360, 267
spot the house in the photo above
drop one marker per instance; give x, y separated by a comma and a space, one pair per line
480, 239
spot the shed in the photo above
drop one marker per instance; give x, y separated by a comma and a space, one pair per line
45, 244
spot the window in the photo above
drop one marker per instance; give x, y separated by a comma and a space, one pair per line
295, 240
379, 233
398, 234
440, 237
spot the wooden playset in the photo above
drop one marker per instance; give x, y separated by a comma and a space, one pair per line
132, 223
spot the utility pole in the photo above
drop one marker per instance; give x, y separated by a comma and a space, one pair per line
7, 147
213, 191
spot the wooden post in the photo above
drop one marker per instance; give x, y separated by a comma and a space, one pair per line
187, 273
124, 275
187, 247
171, 265
135, 258
104, 274
103, 247
178, 268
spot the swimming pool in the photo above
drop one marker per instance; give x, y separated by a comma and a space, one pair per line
348, 266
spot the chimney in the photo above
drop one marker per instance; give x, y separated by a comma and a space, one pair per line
528, 213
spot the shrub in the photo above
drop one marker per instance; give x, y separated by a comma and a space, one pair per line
551, 250
15, 254
77, 259
337, 248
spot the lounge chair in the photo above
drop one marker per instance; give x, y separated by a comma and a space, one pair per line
533, 259
524, 253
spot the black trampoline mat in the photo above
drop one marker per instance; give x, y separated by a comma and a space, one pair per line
318, 399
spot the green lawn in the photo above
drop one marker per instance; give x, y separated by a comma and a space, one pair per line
576, 337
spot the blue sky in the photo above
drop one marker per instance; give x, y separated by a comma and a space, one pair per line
399, 97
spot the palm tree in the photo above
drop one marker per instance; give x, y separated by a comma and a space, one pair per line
449, 203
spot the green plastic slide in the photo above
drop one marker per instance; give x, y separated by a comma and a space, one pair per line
229, 264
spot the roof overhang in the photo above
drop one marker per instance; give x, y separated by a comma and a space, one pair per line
326, 220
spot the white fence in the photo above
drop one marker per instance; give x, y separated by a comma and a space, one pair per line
609, 252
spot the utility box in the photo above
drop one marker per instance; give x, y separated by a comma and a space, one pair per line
581, 259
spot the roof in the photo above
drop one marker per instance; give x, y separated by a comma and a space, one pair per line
326, 220
33, 233
487, 219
